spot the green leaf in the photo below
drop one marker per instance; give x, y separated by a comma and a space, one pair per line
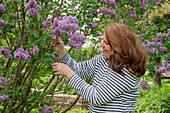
163, 27
18, 88
35, 106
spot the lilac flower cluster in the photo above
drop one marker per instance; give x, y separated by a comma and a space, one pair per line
159, 3
98, 34
110, 3
2, 8
67, 25
144, 15
22, 54
33, 8
46, 24
3, 98
3, 82
93, 12
108, 12
163, 68
47, 109
133, 14
156, 42
77, 40
5, 52
94, 26
2, 24
142, 4
143, 85
34, 50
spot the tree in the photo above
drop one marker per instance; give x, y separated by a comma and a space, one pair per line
26, 28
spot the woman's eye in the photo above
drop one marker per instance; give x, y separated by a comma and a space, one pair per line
106, 43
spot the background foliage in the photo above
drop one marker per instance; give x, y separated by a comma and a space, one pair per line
26, 55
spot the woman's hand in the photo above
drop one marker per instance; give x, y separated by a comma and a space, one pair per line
62, 69
58, 45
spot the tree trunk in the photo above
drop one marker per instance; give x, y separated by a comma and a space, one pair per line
157, 77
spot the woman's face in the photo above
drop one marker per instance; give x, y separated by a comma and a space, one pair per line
106, 49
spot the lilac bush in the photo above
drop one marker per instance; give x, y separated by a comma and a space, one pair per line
26, 30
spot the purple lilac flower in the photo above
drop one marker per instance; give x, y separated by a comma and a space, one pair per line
22, 71
159, 36
166, 65
3, 82
144, 15
162, 50
3, 98
124, 20
159, 3
94, 26
133, 14
33, 11
33, 8
22, 54
164, 35
77, 40
32, 4
94, 12
143, 85
34, 50
47, 109
159, 44
2, 24
2, 8
109, 12
142, 4
5, 52
46, 24
160, 69
110, 3
98, 34
67, 25
151, 49
39, 8
168, 34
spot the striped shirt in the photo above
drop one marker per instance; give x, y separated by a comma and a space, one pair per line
110, 91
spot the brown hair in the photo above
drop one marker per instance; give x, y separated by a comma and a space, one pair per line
126, 50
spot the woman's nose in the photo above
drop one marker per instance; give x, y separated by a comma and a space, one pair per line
101, 45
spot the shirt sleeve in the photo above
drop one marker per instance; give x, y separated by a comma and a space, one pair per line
112, 86
84, 69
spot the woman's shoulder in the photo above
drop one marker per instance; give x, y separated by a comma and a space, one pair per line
100, 57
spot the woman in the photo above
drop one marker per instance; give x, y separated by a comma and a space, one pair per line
116, 72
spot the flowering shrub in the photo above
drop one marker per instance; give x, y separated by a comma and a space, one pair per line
26, 28
154, 100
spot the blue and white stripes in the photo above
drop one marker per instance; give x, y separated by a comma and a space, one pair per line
110, 92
